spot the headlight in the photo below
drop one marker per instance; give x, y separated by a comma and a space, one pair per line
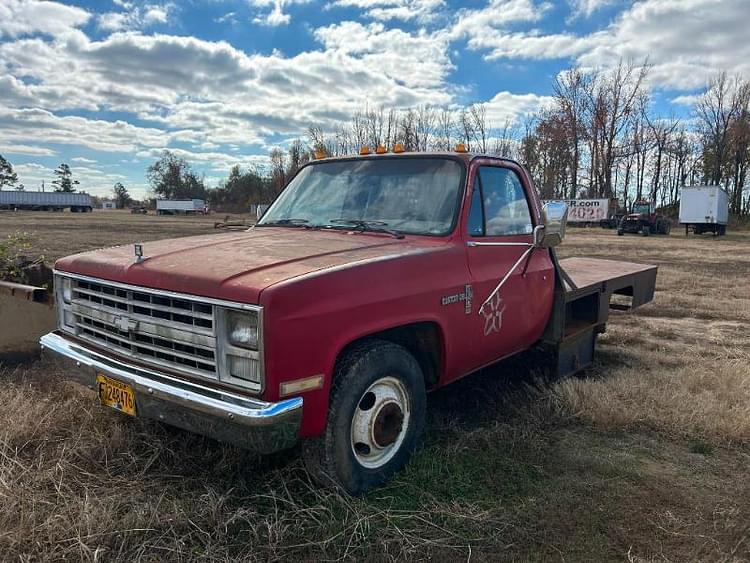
244, 368
239, 347
69, 319
242, 329
67, 290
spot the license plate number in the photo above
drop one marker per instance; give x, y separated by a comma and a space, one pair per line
116, 394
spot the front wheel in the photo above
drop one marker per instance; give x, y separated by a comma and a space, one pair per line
375, 419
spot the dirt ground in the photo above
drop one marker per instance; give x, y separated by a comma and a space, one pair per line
644, 457
60, 234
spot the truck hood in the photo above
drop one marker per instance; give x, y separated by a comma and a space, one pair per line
239, 266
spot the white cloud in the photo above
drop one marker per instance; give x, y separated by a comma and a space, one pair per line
134, 17
26, 149
83, 159
17, 125
586, 8
420, 10
276, 16
156, 14
199, 92
506, 107
416, 60
229, 17
482, 25
26, 17
685, 41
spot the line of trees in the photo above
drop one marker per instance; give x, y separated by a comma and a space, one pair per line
599, 138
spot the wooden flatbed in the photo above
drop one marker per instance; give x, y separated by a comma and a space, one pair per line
582, 275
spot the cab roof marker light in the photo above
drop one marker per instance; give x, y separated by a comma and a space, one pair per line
380, 149
365, 150
460, 147
320, 153
398, 147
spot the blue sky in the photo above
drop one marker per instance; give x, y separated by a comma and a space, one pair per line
106, 85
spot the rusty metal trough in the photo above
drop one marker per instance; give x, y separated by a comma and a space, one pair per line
26, 313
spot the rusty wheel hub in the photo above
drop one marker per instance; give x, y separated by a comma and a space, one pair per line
380, 422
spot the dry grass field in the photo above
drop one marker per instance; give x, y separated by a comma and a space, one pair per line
645, 457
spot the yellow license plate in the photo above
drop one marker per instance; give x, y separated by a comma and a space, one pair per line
116, 394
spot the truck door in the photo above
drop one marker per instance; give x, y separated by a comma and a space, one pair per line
500, 225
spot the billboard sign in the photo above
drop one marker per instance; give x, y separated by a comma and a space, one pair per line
587, 210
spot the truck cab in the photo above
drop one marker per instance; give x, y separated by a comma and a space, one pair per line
370, 281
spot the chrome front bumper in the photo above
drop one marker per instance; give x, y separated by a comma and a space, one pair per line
228, 417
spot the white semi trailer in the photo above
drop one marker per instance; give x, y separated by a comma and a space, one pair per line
45, 201
704, 209
180, 206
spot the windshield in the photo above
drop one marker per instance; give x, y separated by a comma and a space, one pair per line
405, 195
642, 208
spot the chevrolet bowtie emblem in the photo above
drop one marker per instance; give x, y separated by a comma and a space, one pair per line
138, 252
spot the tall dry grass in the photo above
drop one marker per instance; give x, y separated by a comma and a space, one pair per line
708, 400
681, 364
601, 467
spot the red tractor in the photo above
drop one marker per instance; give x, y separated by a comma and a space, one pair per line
645, 220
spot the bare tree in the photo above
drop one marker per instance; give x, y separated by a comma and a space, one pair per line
570, 92
478, 115
613, 99
715, 109
465, 128
662, 132
446, 128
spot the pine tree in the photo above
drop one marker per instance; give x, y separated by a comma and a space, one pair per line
64, 181
7, 176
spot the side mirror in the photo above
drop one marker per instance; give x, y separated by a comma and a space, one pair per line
555, 219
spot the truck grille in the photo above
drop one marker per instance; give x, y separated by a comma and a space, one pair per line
152, 327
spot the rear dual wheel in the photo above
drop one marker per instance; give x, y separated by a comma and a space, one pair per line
375, 418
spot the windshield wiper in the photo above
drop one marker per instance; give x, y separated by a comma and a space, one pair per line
288, 223
368, 226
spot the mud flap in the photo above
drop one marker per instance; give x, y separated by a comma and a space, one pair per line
576, 353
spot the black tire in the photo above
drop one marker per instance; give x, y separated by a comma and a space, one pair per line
331, 458
620, 233
646, 230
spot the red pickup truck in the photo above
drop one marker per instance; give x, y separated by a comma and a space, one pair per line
370, 281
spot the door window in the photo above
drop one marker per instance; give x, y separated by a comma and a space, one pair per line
501, 208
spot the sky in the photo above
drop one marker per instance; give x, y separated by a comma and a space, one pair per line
107, 85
